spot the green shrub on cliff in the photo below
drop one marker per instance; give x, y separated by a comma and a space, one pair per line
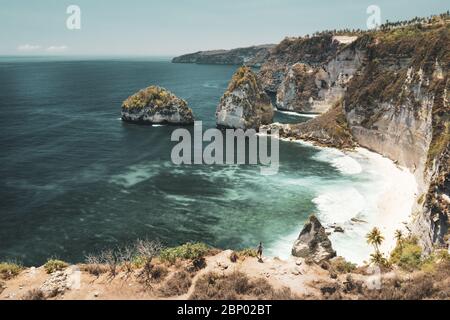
154, 95
248, 253
436, 260
9, 270
243, 75
54, 265
407, 254
188, 251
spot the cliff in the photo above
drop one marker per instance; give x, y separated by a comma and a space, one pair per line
244, 105
390, 92
397, 105
251, 56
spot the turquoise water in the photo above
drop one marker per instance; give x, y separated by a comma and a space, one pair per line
75, 179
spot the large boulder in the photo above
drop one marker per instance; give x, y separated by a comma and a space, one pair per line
244, 105
313, 242
156, 105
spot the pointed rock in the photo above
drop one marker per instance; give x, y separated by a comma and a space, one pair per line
313, 242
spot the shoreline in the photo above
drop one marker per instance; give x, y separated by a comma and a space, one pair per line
387, 203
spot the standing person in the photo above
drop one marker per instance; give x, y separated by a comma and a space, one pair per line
260, 251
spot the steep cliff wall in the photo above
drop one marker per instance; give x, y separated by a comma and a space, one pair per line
316, 89
397, 105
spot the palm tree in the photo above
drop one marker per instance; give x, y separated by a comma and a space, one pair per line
375, 238
378, 259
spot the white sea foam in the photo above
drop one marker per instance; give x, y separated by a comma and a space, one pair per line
385, 200
373, 189
304, 115
339, 204
135, 174
344, 163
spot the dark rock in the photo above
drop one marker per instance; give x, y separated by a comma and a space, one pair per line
313, 242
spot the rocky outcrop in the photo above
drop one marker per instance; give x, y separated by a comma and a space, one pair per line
251, 56
156, 105
313, 242
244, 105
328, 130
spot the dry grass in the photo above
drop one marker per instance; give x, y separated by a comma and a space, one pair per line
236, 285
176, 285
34, 294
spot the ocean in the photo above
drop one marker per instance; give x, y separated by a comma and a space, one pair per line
75, 179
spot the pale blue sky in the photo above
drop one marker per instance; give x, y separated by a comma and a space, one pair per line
171, 27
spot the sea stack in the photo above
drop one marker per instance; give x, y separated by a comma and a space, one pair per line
244, 105
156, 105
313, 242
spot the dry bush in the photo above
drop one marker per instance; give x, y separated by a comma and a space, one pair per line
234, 257
146, 251
418, 286
111, 260
176, 285
196, 265
126, 257
236, 285
159, 273
35, 294
94, 266
340, 265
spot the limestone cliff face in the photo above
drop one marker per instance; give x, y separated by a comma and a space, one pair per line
156, 105
398, 106
251, 56
244, 105
315, 89
311, 51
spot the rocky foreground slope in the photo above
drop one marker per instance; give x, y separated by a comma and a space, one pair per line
227, 275
251, 56
389, 93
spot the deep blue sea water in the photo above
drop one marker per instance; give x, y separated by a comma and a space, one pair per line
74, 179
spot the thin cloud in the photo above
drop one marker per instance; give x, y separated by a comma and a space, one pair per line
57, 48
28, 47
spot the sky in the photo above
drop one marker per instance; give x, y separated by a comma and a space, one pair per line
173, 27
